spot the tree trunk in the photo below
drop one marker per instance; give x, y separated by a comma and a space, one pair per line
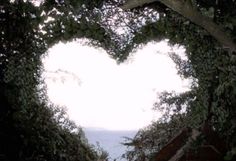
186, 9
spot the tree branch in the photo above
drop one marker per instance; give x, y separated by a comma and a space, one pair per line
187, 10
130, 4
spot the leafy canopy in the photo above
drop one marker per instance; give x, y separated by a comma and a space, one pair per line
34, 128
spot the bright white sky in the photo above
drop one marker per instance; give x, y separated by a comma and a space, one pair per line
108, 95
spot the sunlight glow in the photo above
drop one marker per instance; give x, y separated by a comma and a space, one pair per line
108, 95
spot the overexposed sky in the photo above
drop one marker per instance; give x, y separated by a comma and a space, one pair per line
99, 93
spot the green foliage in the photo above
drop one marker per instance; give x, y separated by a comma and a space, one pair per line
210, 67
102, 154
148, 141
31, 128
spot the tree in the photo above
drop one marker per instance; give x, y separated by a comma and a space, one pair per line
28, 31
31, 128
189, 9
148, 141
209, 65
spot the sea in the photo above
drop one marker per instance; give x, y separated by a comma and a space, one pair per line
110, 141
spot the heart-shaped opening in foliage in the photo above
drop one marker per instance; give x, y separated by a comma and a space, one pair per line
100, 93
111, 95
